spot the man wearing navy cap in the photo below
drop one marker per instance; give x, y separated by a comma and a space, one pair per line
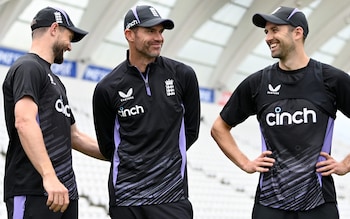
147, 114
295, 101
39, 178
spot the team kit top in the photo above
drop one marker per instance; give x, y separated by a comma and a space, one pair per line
296, 112
144, 123
31, 76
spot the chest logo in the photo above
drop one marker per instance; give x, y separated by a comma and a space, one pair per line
169, 87
274, 90
126, 96
279, 117
62, 108
129, 112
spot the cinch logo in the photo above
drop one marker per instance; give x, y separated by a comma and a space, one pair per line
126, 96
131, 24
136, 110
274, 91
298, 117
61, 108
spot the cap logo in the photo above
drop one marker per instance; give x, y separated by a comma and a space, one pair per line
154, 12
145, 16
131, 24
135, 21
58, 17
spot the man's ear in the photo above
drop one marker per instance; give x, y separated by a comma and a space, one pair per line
129, 35
299, 31
54, 28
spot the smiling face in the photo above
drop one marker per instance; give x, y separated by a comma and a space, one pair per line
280, 40
148, 41
62, 44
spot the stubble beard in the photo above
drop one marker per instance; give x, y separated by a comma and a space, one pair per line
57, 50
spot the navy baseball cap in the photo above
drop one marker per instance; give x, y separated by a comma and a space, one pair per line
46, 16
145, 16
283, 15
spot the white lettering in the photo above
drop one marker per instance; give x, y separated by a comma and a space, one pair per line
298, 117
136, 110
60, 107
131, 24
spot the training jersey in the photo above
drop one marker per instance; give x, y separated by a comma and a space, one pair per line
31, 76
296, 112
144, 123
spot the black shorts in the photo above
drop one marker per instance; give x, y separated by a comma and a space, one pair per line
35, 207
325, 211
177, 210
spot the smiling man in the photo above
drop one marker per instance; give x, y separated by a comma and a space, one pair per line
147, 114
295, 101
39, 178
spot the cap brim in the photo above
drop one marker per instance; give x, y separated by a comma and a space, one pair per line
78, 34
167, 23
261, 19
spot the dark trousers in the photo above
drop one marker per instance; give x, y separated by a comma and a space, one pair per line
325, 211
34, 207
177, 210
